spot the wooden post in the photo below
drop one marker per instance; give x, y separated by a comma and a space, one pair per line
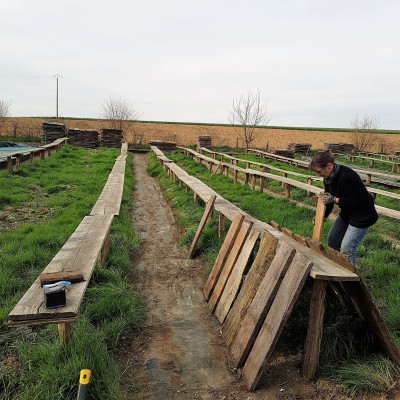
262, 180
9, 164
283, 183
246, 179
187, 189
253, 181
221, 224
309, 182
287, 190
64, 331
31, 157
368, 179
319, 219
195, 197
314, 334
235, 175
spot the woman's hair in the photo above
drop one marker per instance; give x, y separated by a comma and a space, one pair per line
321, 160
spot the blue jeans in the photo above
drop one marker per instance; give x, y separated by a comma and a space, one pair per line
345, 238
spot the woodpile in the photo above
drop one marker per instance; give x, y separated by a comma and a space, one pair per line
204, 141
163, 146
111, 138
284, 153
300, 148
395, 153
83, 138
52, 131
339, 148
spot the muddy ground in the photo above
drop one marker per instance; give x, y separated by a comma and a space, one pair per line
180, 354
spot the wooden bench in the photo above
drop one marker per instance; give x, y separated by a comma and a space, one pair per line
86, 248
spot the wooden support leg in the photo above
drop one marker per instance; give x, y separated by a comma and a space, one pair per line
221, 224
368, 179
235, 176
283, 183
287, 190
64, 331
314, 335
195, 197
309, 182
262, 180
187, 188
253, 182
9, 164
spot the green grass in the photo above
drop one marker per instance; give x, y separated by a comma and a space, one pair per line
345, 338
44, 369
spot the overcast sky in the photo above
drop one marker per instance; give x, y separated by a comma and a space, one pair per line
317, 62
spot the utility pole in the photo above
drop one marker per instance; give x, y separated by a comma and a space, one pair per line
57, 76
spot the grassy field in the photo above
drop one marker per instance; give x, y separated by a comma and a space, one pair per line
347, 354
45, 201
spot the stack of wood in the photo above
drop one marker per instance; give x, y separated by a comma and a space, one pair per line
204, 141
284, 153
300, 148
111, 138
84, 138
339, 148
163, 146
52, 131
395, 153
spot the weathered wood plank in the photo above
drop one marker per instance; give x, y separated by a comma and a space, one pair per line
223, 254
229, 264
233, 284
275, 320
266, 253
261, 303
206, 216
319, 219
315, 326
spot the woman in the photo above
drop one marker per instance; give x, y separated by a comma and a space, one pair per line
344, 187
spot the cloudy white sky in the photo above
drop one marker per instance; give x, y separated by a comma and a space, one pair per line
317, 62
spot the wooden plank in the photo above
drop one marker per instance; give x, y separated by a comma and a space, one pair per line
229, 264
223, 254
275, 320
216, 169
319, 219
266, 253
315, 326
235, 279
70, 276
261, 303
81, 252
363, 303
207, 213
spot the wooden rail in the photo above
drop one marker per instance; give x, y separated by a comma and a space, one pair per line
351, 158
304, 164
13, 160
86, 248
251, 177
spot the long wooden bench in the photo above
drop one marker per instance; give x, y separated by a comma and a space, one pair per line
86, 248
251, 175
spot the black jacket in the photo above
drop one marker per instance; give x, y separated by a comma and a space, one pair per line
355, 202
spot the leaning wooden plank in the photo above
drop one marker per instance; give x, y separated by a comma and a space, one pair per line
229, 264
223, 254
275, 320
319, 219
81, 252
266, 253
207, 213
261, 303
233, 283
315, 326
366, 308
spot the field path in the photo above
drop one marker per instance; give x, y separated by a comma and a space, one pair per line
179, 353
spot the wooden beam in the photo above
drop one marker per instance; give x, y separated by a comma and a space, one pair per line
221, 224
319, 219
262, 262
235, 279
315, 326
229, 264
223, 255
261, 303
207, 213
275, 320
64, 331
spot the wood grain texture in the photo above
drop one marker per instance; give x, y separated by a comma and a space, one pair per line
275, 320
229, 264
266, 253
235, 279
261, 303
223, 255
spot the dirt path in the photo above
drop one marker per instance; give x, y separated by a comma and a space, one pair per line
180, 353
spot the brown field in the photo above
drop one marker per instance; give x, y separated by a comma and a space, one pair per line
183, 134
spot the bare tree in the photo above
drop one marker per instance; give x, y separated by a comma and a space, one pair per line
363, 129
249, 112
5, 108
118, 111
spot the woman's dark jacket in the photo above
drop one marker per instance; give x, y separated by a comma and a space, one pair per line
355, 202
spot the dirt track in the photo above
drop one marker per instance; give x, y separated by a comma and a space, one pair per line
180, 353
